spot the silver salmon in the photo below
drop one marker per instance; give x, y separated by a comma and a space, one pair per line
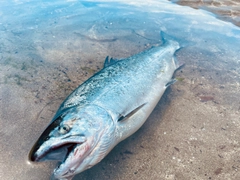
107, 108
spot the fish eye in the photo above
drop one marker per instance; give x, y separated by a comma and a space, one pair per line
46, 138
64, 129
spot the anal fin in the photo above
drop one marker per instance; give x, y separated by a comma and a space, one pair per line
172, 81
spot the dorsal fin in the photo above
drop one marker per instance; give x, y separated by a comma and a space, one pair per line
109, 62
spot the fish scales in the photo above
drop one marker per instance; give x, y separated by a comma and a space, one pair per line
127, 79
107, 108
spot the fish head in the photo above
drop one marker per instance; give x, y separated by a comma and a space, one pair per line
71, 139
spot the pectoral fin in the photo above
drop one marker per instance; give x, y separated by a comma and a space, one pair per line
122, 118
131, 122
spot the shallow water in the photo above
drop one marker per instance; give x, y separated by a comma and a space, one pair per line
48, 48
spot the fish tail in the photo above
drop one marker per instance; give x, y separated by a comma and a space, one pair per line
177, 63
169, 39
175, 43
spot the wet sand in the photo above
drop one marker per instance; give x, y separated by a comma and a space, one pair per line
194, 131
228, 10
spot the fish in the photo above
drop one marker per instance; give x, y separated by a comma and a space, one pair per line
106, 109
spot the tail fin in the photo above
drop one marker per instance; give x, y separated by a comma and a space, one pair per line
176, 43
166, 38
178, 63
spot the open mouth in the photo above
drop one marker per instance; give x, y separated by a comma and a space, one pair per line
58, 153
73, 159
69, 150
